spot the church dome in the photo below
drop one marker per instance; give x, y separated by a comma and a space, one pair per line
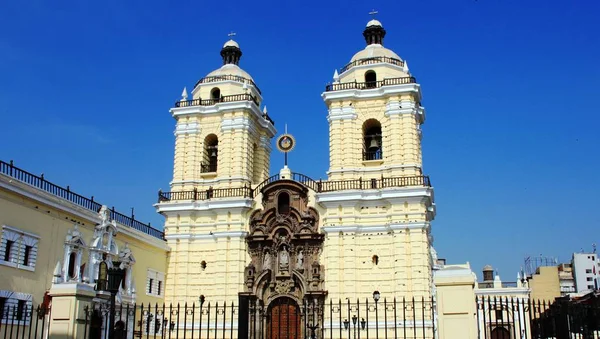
374, 23
231, 43
375, 50
230, 69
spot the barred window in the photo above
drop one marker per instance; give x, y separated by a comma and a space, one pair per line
154, 283
16, 307
18, 248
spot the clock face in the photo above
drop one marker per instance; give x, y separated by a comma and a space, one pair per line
286, 143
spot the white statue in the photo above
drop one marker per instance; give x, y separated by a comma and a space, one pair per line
104, 215
284, 259
300, 260
267, 260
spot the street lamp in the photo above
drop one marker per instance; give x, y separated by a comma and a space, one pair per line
313, 334
376, 296
346, 324
115, 275
363, 323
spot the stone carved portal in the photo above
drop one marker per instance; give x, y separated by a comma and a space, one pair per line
284, 244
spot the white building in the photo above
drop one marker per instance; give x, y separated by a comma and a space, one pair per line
586, 271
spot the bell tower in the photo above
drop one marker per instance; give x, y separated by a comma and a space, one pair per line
222, 151
222, 138
375, 114
378, 204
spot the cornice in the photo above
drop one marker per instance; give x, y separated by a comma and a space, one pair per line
376, 228
373, 93
206, 236
204, 205
332, 199
224, 107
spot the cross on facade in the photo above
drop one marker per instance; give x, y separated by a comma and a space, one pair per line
373, 13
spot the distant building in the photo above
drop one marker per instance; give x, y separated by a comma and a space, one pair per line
566, 280
545, 283
586, 271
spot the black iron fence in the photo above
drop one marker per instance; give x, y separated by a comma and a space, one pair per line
282, 319
41, 183
370, 84
495, 318
218, 78
318, 186
508, 318
214, 101
22, 321
372, 60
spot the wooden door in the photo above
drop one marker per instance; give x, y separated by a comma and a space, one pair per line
284, 319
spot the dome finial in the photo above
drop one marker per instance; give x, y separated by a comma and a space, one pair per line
374, 33
231, 51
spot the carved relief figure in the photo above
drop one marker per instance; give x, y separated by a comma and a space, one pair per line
300, 260
267, 260
284, 259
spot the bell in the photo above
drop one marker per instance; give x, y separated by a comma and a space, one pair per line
374, 145
213, 153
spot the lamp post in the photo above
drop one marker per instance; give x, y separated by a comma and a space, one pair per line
313, 328
376, 296
115, 275
354, 319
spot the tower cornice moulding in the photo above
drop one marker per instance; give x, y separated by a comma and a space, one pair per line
224, 107
376, 228
332, 199
204, 205
373, 93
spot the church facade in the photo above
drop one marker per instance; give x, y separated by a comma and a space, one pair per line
235, 231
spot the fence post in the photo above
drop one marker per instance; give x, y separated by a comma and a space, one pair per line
243, 316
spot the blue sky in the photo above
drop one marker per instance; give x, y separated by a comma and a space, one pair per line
510, 88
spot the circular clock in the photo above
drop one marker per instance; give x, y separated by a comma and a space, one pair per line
286, 143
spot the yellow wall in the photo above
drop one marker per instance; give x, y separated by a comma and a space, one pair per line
51, 224
545, 284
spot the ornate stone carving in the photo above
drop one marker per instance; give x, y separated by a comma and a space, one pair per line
284, 247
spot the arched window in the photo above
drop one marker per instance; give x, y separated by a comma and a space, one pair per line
372, 149
71, 271
215, 94
283, 203
211, 150
371, 79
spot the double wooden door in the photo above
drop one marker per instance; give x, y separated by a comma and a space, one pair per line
284, 319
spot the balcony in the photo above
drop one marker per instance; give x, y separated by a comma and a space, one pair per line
371, 61
217, 78
370, 84
319, 186
210, 102
40, 183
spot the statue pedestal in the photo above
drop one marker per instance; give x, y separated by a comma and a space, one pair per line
67, 315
